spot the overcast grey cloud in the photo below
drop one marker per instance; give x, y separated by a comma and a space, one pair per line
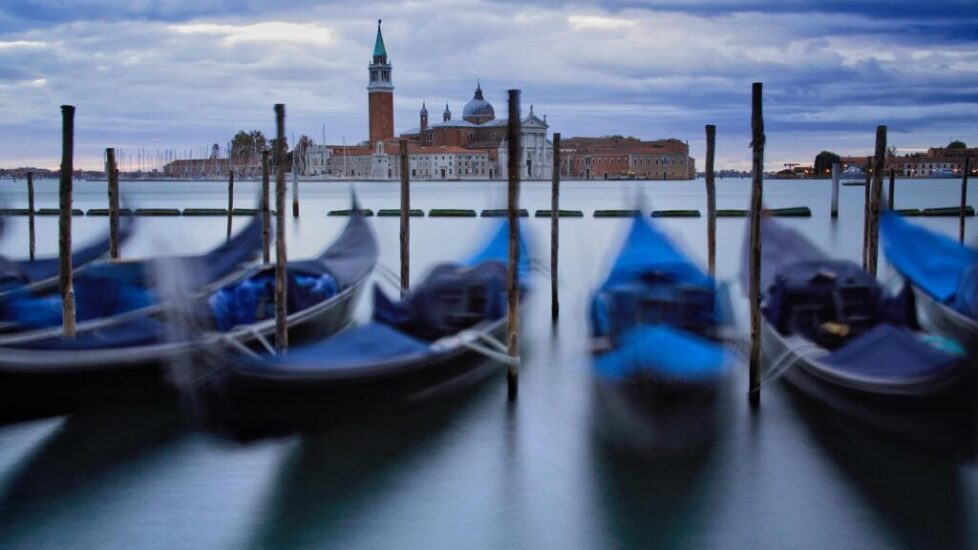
184, 74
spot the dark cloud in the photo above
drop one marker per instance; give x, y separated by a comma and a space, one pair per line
185, 73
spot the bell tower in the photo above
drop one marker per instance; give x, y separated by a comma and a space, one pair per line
380, 93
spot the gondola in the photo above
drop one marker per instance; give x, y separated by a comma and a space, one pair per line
658, 324
842, 340
123, 359
943, 274
107, 289
439, 339
41, 274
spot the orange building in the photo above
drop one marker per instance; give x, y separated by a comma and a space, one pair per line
618, 157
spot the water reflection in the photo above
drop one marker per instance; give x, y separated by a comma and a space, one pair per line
333, 477
653, 502
917, 492
86, 453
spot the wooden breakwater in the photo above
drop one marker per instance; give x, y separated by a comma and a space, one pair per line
791, 211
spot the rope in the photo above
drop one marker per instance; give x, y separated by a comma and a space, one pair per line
470, 339
783, 363
388, 275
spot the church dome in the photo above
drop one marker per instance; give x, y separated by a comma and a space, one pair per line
478, 110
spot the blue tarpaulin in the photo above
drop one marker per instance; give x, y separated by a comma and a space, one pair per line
663, 352
935, 263
890, 352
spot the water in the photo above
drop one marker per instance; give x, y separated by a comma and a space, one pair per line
482, 473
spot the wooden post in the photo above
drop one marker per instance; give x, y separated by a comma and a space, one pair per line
65, 283
281, 295
711, 200
875, 201
964, 199
889, 196
295, 186
112, 176
230, 200
513, 204
756, 204
835, 190
866, 194
266, 215
30, 214
555, 229
405, 217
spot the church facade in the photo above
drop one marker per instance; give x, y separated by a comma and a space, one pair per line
471, 147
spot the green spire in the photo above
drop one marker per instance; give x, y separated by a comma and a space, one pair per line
379, 49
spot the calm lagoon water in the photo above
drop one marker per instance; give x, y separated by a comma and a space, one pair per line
482, 473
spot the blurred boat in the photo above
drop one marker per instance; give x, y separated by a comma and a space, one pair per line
657, 325
117, 359
943, 274
853, 175
943, 173
840, 339
113, 288
41, 274
439, 339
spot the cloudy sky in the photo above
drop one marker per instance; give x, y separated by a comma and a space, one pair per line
183, 74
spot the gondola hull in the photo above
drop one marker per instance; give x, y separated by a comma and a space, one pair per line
654, 418
939, 318
244, 404
940, 415
35, 384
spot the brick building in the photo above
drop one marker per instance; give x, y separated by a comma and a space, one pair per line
619, 157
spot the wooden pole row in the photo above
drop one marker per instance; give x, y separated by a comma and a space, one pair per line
875, 201
405, 234
65, 282
892, 193
711, 200
513, 203
756, 204
112, 177
835, 189
266, 215
295, 186
30, 214
555, 228
281, 289
964, 199
866, 198
230, 201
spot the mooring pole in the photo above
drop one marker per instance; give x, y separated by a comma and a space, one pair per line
230, 201
889, 197
711, 200
756, 204
876, 200
866, 200
555, 229
266, 214
295, 186
65, 283
513, 204
30, 214
964, 199
405, 217
112, 176
281, 327
835, 190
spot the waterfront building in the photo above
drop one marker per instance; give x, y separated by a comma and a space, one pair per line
480, 130
617, 157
